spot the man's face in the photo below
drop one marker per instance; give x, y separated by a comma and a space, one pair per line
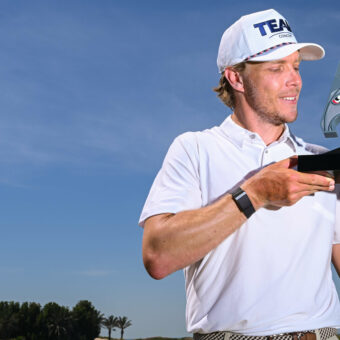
272, 89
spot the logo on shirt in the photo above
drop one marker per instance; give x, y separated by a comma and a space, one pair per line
275, 26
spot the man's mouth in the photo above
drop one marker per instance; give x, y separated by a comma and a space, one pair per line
290, 99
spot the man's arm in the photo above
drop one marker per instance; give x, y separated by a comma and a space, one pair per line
174, 241
336, 257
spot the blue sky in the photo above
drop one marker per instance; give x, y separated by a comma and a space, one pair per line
92, 93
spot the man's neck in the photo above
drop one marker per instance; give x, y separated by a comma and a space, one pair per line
267, 131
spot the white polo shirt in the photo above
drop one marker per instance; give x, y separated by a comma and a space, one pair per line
273, 274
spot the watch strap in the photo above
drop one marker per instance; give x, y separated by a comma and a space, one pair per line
243, 202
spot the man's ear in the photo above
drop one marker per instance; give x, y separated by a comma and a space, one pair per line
235, 79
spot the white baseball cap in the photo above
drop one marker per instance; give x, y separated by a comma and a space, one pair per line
262, 36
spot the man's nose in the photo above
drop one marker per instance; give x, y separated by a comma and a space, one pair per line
294, 78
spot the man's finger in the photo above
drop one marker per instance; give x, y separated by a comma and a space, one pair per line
310, 189
316, 180
322, 173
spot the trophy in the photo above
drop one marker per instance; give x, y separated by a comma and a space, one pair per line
331, 117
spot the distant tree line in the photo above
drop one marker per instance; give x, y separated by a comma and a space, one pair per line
30, 321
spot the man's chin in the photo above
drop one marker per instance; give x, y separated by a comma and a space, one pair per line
278, 117
280, 120
287, 117
292, 118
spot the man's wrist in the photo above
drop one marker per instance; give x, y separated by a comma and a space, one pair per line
252, 191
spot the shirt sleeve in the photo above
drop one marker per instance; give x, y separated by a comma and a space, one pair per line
336, 239
176, 187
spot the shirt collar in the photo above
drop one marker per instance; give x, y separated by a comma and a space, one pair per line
238, 135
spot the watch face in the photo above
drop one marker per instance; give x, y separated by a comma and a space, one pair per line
240, 194
243, 202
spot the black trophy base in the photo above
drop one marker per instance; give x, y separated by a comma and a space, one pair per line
326, 161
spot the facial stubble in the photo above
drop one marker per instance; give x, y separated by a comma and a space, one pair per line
265, 113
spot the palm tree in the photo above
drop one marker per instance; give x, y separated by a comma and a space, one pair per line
122, 323
58, 320
109, 323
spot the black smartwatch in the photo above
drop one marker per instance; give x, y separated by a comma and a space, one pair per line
243, 202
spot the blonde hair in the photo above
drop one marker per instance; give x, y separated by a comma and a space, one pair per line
224, 90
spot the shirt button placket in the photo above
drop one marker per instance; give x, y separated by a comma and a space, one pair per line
265, 157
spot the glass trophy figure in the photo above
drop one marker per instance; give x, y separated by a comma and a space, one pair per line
331, 118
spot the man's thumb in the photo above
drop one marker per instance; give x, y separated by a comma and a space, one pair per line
288, 162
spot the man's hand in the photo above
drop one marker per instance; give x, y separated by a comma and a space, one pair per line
278, 185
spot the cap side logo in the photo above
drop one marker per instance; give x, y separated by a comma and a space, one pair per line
272, 26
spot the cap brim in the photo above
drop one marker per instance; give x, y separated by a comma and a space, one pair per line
308, 51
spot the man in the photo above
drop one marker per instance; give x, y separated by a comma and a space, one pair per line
254, 236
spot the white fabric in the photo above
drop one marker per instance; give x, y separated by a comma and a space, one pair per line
273, 274
258, 32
